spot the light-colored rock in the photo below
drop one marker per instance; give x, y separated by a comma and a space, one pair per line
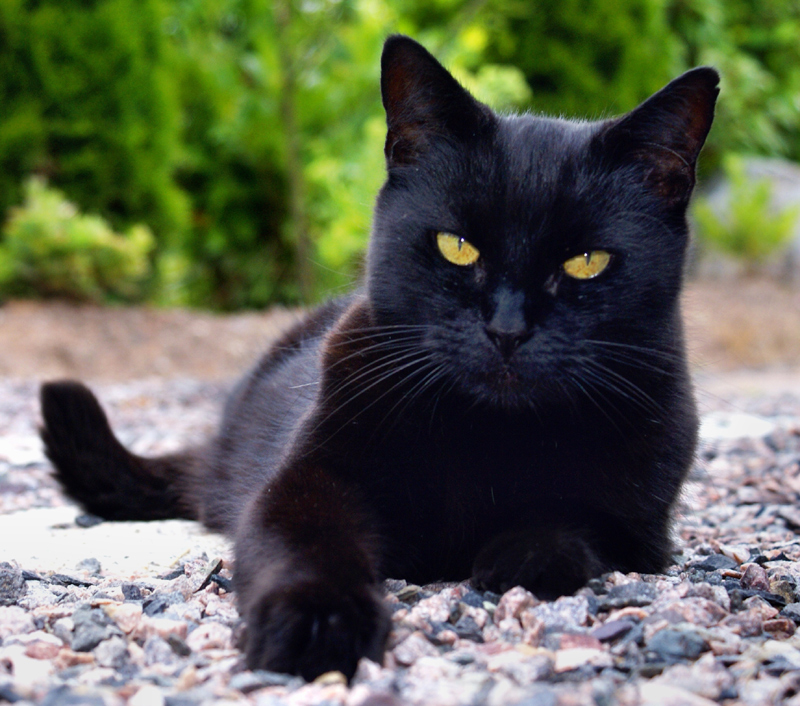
522, 666
38, 644
148, 695
704, 678
126, 615
568, 613
28, 672
513, 602
14, 620
163, 628
413, 648
210, 636
573, 657
653, 694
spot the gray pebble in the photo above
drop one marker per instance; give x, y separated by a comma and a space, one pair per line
88, 520
7, 693
91, 565
132, 592
65, 696
12, 585
468, 629
112, 652
189, 698
792, 611
542, 697
715, 562
87, 637
158, 602
612, 630
394, 585
260, 678
158, 651
636, 593
674, 644
92, 626
473, 599
63, 628
211, 568
179, 646
567, 614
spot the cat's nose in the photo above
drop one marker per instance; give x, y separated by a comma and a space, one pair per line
507, 328
507, 340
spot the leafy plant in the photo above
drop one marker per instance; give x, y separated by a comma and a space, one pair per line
248, 133
746, 225
50, 249
88, 96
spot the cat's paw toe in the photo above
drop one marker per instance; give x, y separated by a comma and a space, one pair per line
548, 569
309, 633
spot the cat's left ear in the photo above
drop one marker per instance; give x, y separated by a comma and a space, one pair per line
666, 133
423, 102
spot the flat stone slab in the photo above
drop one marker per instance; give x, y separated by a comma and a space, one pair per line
47, 539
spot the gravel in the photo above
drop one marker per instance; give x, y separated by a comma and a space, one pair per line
143, 613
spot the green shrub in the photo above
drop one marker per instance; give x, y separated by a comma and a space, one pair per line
48, 248
747, 225
88, 100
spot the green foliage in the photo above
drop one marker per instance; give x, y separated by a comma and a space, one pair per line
583, 57
755, 46
232, 254
746, 225
50, 249
248, 134
87, 101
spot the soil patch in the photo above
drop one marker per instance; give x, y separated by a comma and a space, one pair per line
730, 325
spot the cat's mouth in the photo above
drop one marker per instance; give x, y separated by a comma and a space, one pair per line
512, 391
508, 378
504, 387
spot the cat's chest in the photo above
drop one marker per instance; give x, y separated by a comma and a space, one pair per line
482, 471
471, 471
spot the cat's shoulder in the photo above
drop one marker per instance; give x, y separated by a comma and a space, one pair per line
310, 327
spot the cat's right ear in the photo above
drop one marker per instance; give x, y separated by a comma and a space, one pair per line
666, 133
422, 102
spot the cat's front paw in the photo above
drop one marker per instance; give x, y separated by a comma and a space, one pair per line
310, 629
549, 563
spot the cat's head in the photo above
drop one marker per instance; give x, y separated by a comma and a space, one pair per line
527, 255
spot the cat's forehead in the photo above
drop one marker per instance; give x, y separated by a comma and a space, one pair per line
520, 180
536, 151
538, 138
539, 172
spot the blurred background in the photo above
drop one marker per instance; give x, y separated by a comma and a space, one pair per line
224, 154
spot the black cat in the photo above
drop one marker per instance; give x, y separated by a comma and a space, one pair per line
506, 398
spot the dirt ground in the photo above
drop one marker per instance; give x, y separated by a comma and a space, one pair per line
731, 325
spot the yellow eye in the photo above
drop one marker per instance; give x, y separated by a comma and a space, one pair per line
456, 249
588, 265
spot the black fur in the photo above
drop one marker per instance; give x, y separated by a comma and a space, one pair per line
501, 421
98, 472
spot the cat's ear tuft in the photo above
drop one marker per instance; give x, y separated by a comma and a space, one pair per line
423, 102
667, 132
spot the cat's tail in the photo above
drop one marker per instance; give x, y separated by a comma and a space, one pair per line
99, 472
